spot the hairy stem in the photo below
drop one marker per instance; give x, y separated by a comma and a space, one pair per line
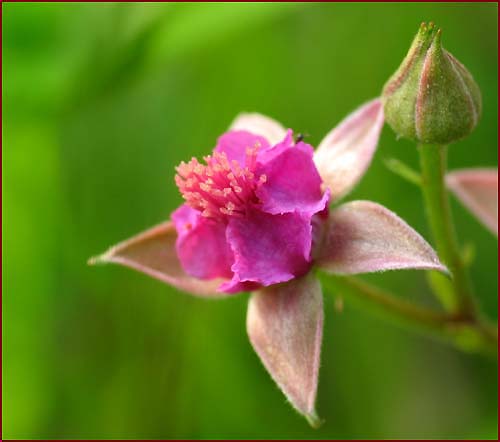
471, 335
456, 295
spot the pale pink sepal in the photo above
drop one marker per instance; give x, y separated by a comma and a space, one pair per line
259, 124
153, 252
285, 327
346, 152
477, 189
365, 237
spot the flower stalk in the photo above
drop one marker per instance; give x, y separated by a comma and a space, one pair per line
433, 165
470, 335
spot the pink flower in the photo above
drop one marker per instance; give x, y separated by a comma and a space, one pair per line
256, 219
477, 189
249, 211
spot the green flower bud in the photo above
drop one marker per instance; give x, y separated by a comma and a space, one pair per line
431, 98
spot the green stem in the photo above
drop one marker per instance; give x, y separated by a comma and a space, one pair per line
469, 335
384, 304
433, 164
407, 173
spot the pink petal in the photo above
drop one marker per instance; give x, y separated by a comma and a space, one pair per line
236, 142
346, 152
201, 244
477, 189
259, 124
292, 184
265, 156
153, 252
285, 327
268, 249
364, 237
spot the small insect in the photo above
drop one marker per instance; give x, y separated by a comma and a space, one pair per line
300, 137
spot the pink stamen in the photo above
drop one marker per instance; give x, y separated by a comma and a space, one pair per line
220, 188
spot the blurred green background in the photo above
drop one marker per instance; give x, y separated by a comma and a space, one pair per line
100, 102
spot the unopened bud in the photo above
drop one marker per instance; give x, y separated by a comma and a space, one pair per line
431, 98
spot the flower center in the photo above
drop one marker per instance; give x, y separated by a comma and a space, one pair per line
221, 187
